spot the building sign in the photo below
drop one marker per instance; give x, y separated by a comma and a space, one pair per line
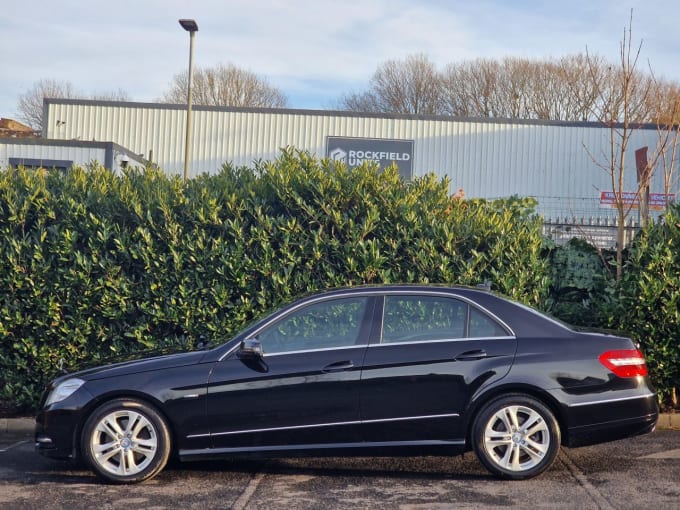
657, 201
356, 151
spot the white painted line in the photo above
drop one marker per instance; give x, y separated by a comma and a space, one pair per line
595, 495
13, 446
243, 500
668, 454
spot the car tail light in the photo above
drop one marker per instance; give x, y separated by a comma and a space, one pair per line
625, 363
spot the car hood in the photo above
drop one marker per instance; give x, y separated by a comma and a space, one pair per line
135, 366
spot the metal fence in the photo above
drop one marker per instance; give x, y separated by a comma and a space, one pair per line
567, 217
600, 232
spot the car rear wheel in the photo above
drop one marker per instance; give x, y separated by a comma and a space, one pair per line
126, 441
516, 437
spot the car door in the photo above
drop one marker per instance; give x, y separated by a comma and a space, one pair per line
304, 389
427, 357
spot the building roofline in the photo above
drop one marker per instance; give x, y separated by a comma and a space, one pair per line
339, 113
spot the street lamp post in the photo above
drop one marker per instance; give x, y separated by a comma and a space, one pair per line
190, 26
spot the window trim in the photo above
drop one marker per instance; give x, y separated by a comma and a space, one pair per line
470, 304
445, 340
322, 349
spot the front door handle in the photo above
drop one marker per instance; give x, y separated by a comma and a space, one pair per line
471, 355
339, 366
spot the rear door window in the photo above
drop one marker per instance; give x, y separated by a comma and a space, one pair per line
419, 318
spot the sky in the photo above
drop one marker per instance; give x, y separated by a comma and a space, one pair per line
314, 51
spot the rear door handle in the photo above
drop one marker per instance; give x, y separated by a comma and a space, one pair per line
471, 355
339, 366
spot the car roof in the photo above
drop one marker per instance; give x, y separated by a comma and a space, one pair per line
401, 287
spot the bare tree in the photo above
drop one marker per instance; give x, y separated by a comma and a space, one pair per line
225, 85
410, 86
30, 106
565, 89
571, 88
621, 102
668, 131
31, 102
580, 75
366, 102
470, 89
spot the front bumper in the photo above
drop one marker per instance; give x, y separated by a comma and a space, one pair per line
55, 433
57, 426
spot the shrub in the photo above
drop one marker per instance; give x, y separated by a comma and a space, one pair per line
649, 306
96, 264
582, 285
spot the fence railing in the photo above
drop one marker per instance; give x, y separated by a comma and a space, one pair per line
588, 219
598, 231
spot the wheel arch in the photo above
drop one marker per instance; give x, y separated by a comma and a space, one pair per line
101, 400
478, 402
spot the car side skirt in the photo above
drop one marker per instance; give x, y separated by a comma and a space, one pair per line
387, 449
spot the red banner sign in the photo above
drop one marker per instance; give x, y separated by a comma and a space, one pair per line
657, 201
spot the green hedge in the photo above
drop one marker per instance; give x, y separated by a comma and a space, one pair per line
645, 304
582, 284
95, 264
649, 305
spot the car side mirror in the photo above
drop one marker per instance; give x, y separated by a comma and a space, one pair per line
250, 348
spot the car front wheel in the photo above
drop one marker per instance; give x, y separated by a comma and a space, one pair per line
126, 441
516, 437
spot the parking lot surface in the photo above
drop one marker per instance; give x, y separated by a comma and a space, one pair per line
641, 472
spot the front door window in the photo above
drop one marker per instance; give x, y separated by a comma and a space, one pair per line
325, 325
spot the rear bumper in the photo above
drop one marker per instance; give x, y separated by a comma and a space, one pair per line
609, 420
610, 431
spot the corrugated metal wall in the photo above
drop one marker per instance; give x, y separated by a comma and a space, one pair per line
487, 158
78, 153
49, 152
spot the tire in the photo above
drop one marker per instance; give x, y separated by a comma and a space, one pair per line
126, 441
516, 437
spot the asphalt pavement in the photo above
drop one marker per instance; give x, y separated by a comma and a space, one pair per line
641, 472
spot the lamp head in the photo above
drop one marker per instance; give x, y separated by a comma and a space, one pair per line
189, 25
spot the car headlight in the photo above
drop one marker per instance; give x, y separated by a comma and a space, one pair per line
64, 390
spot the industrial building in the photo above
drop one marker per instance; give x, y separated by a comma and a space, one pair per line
558, 163
63, 154
555, 162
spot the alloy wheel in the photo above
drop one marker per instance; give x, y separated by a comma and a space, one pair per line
124, 442
517, 438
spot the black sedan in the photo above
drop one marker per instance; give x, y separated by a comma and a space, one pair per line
384, 370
